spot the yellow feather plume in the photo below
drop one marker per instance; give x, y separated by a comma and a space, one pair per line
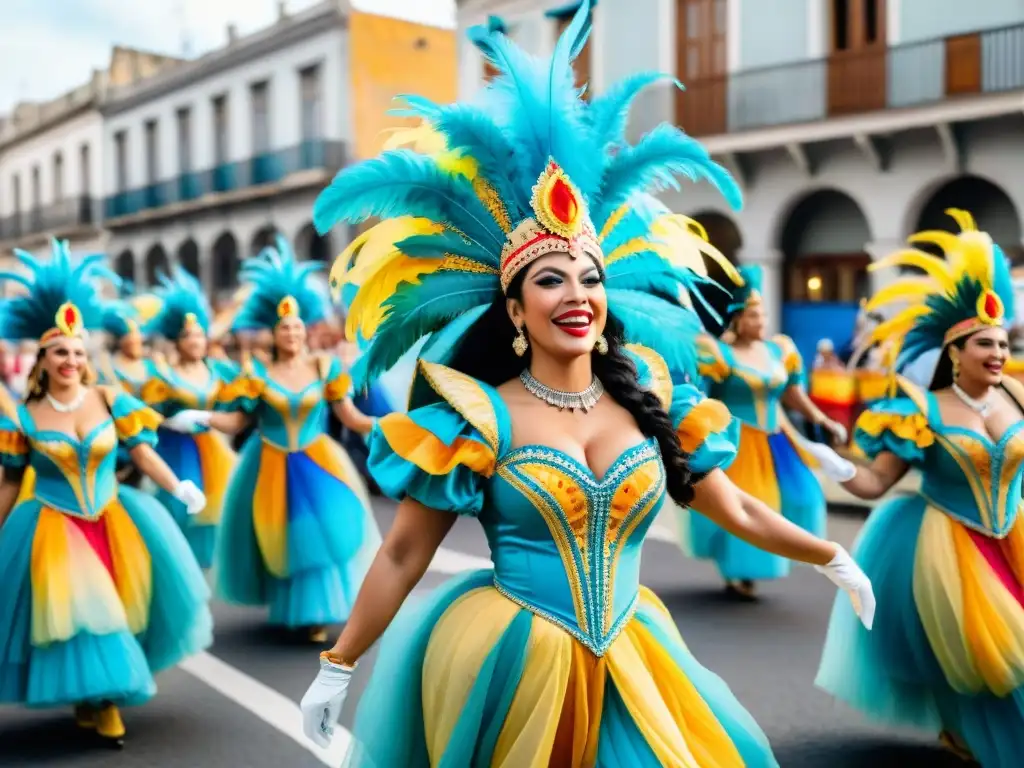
613, 222
899, 325
935, 267
147, 305
422, 138
374, 264
963, 219
905, 289
687, 243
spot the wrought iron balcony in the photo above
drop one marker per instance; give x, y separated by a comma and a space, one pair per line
70, 213
260, 170
854, 82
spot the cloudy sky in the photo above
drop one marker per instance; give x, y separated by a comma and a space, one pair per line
51, 46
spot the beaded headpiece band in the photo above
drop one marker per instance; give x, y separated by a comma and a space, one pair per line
560, 224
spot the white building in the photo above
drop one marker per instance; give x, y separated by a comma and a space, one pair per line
204, 162
849, 123
51, 166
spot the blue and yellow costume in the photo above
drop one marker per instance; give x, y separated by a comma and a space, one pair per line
100, 590
202, 456
298, 531
769, 464
947, 649
557, 655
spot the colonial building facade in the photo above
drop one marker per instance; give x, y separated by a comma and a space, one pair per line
849, 123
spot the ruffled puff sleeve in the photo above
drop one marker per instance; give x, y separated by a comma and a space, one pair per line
156, 392
13, 443
895, 426
434, 456
337, 383
706, 430
712, 363
244, 391
791, 361
135, 422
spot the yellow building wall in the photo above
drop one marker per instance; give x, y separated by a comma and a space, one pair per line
391, 57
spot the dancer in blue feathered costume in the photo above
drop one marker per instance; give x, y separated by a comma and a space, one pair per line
195, 380
100, 590
298, 531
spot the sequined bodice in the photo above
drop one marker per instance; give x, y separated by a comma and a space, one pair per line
973, 478
566, 544
291, 420
753, 395
73, 475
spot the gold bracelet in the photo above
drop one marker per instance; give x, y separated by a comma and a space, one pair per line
336, 659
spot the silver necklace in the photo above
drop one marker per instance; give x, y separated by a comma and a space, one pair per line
563, 401
60, 407
980, 406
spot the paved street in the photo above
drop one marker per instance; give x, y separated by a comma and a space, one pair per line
236, 706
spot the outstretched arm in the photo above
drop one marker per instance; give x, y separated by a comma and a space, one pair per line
751, 520
798, 400
230, 423
878, 477
152, 466
400, 563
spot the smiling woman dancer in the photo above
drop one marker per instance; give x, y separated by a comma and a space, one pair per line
529, 416
947, 650
100, 590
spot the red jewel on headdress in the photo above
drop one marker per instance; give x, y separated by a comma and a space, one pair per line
69, 316
991, 305
563, 202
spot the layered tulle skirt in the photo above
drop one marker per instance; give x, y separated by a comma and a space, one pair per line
207, 460
90, 610
468, 677
946, 651
772, 468
297, 533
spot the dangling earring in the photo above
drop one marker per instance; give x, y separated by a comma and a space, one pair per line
520, 344
956, 366
601, 345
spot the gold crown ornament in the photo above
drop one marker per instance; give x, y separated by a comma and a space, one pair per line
67, 324
560, 224
991, 313
287, 307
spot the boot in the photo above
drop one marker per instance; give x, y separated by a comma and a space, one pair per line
85, 716
109, 725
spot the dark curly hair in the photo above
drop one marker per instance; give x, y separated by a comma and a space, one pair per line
485, 353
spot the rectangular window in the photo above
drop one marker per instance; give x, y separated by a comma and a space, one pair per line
184, 140
311, 103
703, 29
86, 170
220, 130
121, 160
152, 152
58, 177
260, 117
857, 24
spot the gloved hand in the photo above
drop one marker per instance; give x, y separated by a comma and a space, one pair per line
847, 575
832, 464
187, 421
837, 430
189, 494
321, 706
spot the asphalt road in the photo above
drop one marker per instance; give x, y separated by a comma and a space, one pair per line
236, 705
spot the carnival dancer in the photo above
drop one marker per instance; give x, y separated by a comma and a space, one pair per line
100, 590
298, 531
194, 381
947, 650
528, 414
755, 377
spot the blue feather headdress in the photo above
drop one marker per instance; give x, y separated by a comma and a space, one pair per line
532, 169
280, 286
182, 303
745, 292
971, 289
62, 299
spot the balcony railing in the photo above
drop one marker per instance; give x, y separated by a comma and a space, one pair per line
852, 82
67, 214
266, 168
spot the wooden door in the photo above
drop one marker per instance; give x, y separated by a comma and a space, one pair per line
701, 65
857, 80
963, 64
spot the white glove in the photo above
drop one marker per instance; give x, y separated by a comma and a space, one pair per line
321, 706
187, 421
840, 434
847, 575
189, 494
832, 464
